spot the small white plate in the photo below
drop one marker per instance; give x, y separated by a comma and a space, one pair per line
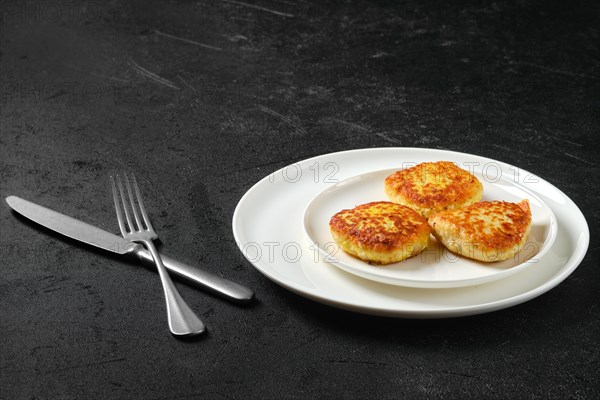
267, 225
435, 267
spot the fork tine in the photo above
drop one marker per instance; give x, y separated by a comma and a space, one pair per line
141, 204
124, 200
117, 206
133, 206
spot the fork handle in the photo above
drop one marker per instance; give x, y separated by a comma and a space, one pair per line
206, 280
182, 320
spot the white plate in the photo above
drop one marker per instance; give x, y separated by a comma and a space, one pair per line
267, 225
435, 267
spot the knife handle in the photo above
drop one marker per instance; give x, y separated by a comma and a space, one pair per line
206, 280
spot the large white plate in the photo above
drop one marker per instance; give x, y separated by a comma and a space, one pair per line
435, 267
267, 225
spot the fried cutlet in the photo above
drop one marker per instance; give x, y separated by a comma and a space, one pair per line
380, 232
431, 187
486, 231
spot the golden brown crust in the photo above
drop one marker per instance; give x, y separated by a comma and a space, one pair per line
432, 187
380, 232
486, 231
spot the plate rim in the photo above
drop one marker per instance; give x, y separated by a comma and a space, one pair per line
567, 269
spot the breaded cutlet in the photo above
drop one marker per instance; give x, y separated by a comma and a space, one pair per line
431, 187
380, 232
486, 231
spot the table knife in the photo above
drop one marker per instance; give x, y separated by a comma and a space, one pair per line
97, 237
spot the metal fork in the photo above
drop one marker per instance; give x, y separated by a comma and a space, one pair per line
182, 320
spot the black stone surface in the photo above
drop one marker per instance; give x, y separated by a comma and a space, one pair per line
203, 99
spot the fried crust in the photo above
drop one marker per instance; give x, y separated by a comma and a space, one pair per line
486, 231
380, 232
431, 187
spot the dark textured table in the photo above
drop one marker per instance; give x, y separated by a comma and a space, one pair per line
203, 99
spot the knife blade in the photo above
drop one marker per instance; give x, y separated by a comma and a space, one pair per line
94, 236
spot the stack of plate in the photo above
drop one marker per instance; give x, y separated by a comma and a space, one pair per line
281, 226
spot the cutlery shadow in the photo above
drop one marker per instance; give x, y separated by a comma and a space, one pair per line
196, 338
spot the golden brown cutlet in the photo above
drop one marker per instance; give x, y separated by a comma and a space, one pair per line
431, 187
380, 232
486, 231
